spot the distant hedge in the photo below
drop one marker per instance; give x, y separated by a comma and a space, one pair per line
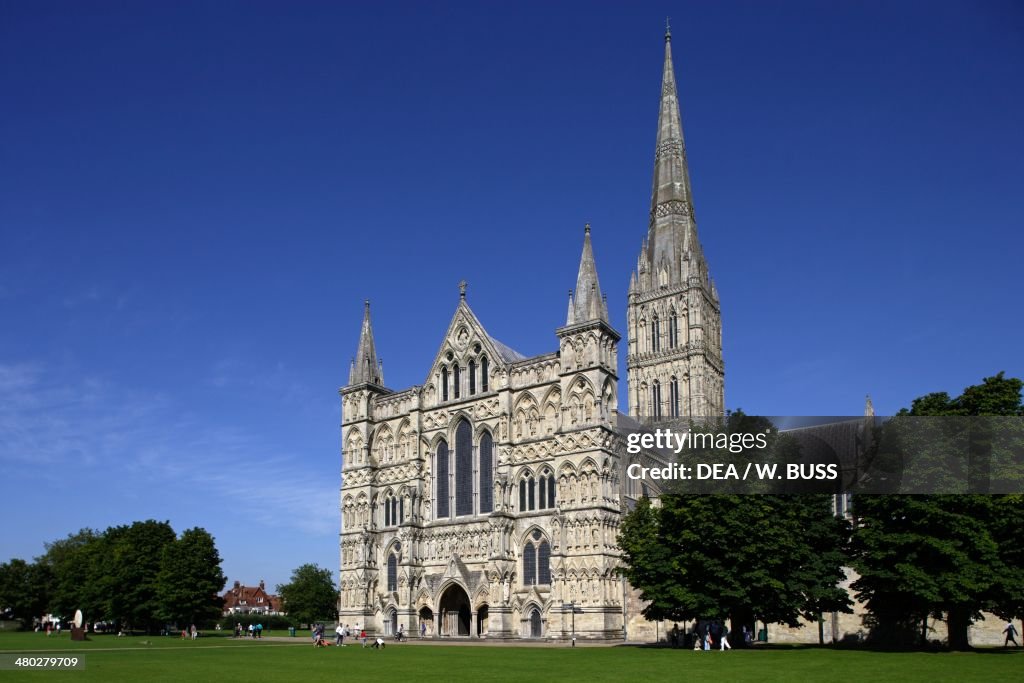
271, 622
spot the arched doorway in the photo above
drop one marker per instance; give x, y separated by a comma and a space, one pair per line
426, 622
481, 620
455, 612
391, 622
535, 623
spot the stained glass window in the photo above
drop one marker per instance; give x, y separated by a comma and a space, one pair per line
463, 468
673, 397
392, 572
441, 477
544, 563
529, 565
486, 473
536, 560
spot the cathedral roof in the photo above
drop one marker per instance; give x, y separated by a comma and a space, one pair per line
507, 354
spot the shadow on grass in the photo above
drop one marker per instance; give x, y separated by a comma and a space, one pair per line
842, 647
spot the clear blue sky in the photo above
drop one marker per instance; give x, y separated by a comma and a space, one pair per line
196, 198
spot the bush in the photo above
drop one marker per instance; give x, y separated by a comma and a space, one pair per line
271, 622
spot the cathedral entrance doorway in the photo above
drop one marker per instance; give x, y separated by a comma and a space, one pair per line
535, 623
481, 621
427, 620
455, 612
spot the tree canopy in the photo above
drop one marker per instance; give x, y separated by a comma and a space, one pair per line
311, 595
942, 555
140, 576
769, 557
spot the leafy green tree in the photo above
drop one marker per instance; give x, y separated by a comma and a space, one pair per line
190, 580
24, 590
951, 555
767, 557
1008, 602
72, 565
133, 566
310, 596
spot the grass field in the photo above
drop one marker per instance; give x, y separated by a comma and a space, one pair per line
142, 658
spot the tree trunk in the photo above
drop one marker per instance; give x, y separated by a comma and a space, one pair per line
821, 629
958, 620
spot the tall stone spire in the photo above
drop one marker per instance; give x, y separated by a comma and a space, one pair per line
674, 318
588, 303
673, 231
366, 369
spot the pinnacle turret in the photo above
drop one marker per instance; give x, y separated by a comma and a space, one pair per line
366, 369
588, 302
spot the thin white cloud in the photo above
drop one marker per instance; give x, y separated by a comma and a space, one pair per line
48, 423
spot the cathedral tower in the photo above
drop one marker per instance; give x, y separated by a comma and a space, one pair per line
674, 328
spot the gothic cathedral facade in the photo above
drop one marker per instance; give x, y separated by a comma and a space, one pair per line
486, 501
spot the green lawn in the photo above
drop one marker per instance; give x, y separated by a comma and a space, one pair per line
141, 658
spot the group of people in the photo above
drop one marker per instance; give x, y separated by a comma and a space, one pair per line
342, 632
255, 631
706, 636
317, 631
191, 632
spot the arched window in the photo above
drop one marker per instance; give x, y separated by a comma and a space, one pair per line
656, 399
463, 468
457, 377
655, 333
444, 383
483, 374
527, 493
673, 398
472, 377
673, 329
392, 572
546, 490
536, 560
393, 510
544, 563
486, 472
441, 477
529, 565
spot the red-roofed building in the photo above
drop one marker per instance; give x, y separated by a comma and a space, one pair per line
250, 600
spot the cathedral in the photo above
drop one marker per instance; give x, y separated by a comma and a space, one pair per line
486, 501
